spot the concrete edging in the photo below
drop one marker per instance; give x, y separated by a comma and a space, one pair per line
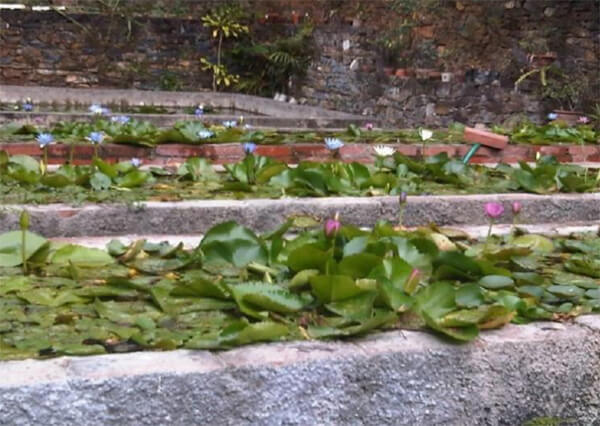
258, 105
196, 217
507, 376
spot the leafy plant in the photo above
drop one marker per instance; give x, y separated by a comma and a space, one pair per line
238, 287
224, 23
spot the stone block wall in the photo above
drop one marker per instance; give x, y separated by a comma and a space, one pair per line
481, 47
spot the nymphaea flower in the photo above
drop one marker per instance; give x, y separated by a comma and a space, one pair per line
120, 119
332, 226
229, 124
27, 105
494, 210
96, 137
425, 134
136, 162
552, 116
199, 111
333, 144
205, 134
249, 148
44, 139
98, 109
384, 151
516, 207
583, 120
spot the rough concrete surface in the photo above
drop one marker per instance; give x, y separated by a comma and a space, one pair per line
506, 377
192, 217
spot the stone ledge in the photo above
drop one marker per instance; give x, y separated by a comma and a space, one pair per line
258, 105
507, 376
196, 217
166, 154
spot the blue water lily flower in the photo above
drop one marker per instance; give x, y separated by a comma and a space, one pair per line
230, 124
249, 148
44, 139
552, 116
98, 109
199, 111
205, 134
120, 119
136, 162
96, 137
27, 107
333, 144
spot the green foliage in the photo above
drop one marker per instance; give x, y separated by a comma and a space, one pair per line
238, 287
224, 22
268, 66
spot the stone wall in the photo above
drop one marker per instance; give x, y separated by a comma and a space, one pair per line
481, 47
87, 50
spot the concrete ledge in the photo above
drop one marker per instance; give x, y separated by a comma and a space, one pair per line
294, 121
265, 106
195, 217
506, 377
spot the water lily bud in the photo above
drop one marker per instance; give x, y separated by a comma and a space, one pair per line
402, 198
332, 226
516, 207
24, 220
494, 210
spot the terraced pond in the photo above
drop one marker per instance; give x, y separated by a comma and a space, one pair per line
237, 287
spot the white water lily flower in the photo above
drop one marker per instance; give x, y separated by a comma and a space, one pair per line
425, 134
384, 151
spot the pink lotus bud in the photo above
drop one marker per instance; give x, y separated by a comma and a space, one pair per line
516, 207
332, 226
494, 210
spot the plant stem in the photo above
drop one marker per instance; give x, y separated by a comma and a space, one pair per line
23, 251
401, 215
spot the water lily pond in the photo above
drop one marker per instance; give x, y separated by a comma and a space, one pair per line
115, 108
25, 180
237, 287
125, 130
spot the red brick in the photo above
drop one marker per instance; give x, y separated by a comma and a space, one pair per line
560, 152
15, 148
128, 151
484, 137
408, 150
303, 151
279, 152
180, 150
583, 152
594, 158
438, 149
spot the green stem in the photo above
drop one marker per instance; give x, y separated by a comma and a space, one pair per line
71, 152
23, 251
45, 159
401, 215
489, 234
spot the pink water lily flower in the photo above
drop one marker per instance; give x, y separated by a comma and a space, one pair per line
494, 210
332, 226
516, 207
583, 120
